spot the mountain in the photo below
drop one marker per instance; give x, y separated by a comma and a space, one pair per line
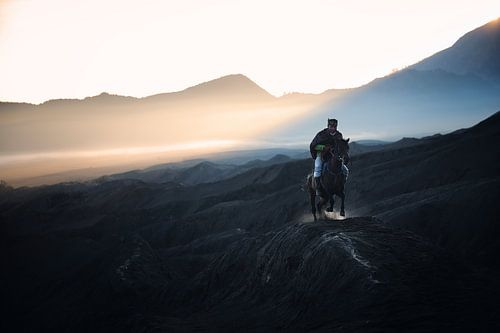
236, 87
372, 142
477, 53
453, 88
65, 140
435, 187
199, 173
407, 103
215, 108
418, 251
224, 164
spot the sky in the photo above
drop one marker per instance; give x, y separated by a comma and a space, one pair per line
53, 49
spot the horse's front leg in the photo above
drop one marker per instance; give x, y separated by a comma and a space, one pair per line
342, 211
319, 206
332, 202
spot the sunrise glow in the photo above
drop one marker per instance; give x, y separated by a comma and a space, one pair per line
72, 49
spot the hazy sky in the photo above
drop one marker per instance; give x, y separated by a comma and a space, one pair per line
61, 49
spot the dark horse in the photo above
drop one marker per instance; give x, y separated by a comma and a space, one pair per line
332, 178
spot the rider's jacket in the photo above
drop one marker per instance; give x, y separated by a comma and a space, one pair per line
323, 138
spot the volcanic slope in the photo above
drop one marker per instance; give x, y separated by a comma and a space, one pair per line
443, 187
238, 254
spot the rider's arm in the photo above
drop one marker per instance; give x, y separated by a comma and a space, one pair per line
312, 146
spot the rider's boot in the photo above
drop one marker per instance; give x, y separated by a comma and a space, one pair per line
317, 182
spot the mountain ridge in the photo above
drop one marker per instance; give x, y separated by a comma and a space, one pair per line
488, 34
410, 102
236, 84
477, 52
422, 99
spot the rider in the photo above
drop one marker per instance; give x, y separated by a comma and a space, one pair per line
324, 137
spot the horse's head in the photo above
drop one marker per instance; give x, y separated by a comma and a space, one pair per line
342, 149
331, 158
337, 153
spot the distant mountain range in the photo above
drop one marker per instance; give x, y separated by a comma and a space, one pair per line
452, 89
226, 242
230, 108
199, 173
477, 53
205, 168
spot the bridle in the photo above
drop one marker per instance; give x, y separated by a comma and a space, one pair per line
335, 155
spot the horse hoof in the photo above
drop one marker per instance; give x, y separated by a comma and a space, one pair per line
342, 213
329, 210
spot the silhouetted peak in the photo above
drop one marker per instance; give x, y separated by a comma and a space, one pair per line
489, 32
490, 124
205, 165
235, 84
280, 158
238, 79
407, 139
476, 52
107, 97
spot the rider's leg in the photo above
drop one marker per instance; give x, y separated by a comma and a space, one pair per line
345, 170
318, 166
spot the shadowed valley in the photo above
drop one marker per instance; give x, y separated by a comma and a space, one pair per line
147, 251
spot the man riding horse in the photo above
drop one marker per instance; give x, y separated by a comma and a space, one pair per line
326, 137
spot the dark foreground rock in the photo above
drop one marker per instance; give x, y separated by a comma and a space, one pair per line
351, 275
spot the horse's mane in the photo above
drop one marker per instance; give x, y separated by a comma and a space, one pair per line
325, 154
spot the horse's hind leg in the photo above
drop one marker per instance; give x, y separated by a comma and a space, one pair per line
312, 195
313, 206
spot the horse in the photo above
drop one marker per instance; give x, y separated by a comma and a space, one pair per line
332, 178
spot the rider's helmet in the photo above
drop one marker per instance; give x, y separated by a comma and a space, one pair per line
332, 122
